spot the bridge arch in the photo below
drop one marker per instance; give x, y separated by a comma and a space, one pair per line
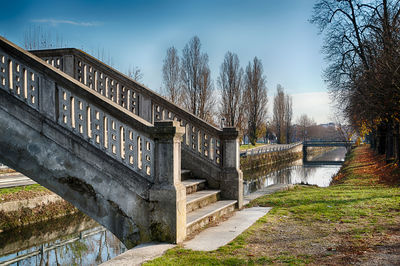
63, 163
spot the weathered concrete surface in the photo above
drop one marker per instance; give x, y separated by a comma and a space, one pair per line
139, 254
266, 191
220, 235
168, 195
78, 172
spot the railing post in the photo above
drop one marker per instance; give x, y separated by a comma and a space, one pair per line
232, 176
168, 195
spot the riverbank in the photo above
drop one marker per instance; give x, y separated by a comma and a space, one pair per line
21, 206
356, 220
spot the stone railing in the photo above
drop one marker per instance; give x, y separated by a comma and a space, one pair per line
200, 137
204, 147
268, 148
121, 135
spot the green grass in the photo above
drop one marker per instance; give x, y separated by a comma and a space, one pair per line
352, 215
34, 187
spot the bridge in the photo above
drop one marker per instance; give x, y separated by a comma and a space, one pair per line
327, 143
112, 147
324, 143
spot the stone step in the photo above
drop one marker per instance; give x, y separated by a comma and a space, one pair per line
201, 199
186, 174
193, 185
201, 217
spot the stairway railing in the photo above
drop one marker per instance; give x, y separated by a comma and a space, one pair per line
201, 138
209, 152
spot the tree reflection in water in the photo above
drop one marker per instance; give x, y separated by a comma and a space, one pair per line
88, 244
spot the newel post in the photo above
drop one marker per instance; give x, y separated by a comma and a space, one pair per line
168, 195
232, 176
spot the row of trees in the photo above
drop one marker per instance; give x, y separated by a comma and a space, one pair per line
362, 45
243, 98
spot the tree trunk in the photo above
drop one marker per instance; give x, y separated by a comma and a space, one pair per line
390, 142
381, 145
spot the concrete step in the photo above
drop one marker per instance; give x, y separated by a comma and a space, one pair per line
193, 185
201, 199
186, 174
201, 217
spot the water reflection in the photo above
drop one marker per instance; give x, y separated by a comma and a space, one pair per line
317, 171
81, 241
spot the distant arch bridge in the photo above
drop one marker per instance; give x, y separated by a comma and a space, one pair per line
324, 143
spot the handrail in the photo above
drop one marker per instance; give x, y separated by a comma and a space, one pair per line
327, 143
201, 138
122, 135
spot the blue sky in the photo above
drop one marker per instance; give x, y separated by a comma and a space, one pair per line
139, 32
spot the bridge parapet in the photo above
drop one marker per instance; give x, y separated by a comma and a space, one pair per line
201, 139
204, 146
322, 143
92, 117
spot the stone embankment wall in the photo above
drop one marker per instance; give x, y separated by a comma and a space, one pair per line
32, 209
262, 160
275, 158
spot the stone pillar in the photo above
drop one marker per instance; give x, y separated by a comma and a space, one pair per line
69, 65
304, 153
168, 194
232, 177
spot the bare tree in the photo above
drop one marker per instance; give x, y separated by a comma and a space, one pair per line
135, 73
37, 38
171, 76
255, 96
288, 117
279, 113
304, 123
230, 82
362, 45
196, 80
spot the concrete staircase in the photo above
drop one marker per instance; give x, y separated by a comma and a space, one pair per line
203, 206
92, 134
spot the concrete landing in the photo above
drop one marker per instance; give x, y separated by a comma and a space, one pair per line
266, 191
139, 254
220, 235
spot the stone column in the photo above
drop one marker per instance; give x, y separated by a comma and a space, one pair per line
232, 177
168, 194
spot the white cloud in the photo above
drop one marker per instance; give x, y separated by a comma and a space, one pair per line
314, 104
55, 22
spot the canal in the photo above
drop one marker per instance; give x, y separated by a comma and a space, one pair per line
316, 170
78, 240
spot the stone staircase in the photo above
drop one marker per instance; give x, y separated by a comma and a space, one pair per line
203, 205
92, 134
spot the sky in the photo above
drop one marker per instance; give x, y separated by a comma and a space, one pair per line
138, 33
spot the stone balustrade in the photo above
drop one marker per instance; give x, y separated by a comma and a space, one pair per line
200, 137
202, 146
128, 142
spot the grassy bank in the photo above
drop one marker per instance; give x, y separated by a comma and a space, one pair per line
23, 192
357, 219
25, 216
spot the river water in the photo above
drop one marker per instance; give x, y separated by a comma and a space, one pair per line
72, 240
317, 170
78, 240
